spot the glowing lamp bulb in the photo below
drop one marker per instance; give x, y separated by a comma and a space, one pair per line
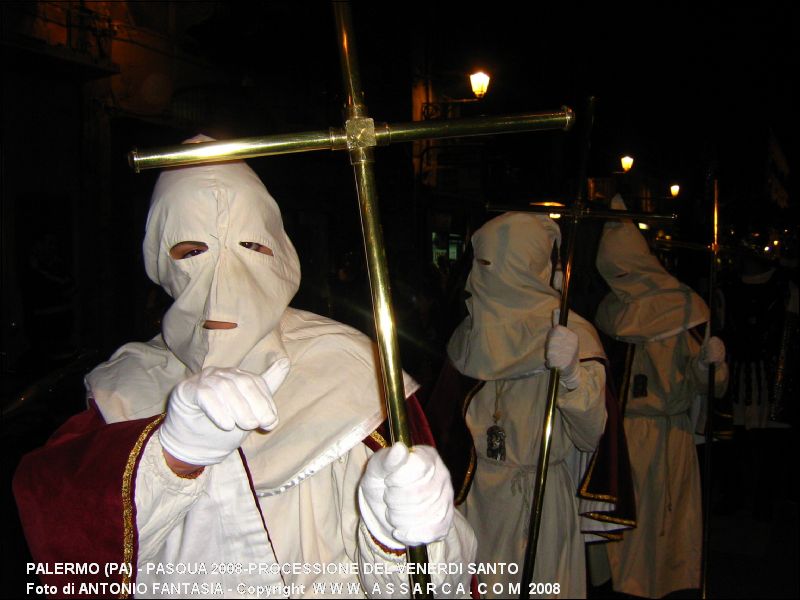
626, 162
480, 83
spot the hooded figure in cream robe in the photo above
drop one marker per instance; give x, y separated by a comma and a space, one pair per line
651, 309
503, 341
275, 500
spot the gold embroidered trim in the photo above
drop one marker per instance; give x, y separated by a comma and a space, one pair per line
462, 493
604, 497
473, 457
379, 439
127, 499
585, 494
605, 518
612, 537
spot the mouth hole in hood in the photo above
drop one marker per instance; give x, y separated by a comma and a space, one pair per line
209, 324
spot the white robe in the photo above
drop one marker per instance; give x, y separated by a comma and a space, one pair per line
310, 542
662, 554
651, 309
283, 513
499, 502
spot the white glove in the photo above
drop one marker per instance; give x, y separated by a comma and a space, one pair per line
558, 279
212, 412
561, 352
406, 497
712, 351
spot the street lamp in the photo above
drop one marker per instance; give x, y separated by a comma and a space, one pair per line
480, 83
675, 189
455, 155
627, 163
450, 108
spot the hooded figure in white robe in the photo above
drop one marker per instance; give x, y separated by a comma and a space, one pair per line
285, 508
503, 341
651, 309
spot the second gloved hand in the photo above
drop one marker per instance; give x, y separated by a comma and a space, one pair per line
406, 497
561, 352
211, 413
712, 351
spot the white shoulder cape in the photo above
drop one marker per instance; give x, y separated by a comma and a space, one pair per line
330, 401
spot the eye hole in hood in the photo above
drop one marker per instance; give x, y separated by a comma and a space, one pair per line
256, 247
187, 249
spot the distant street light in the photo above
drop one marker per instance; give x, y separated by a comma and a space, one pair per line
675, 189
627, 163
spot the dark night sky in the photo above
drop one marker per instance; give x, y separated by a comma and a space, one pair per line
676, 86
669, 82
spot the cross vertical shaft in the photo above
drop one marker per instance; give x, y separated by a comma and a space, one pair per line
361, 140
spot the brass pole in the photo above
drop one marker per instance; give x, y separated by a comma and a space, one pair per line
361, 139
193, 154
552, 388
419, 130
625, 388
712, 376
337, 139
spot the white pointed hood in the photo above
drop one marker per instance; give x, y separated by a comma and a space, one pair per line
330, 399
222, 205
646, 303
511, 301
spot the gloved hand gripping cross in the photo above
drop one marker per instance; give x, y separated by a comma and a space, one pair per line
406, 496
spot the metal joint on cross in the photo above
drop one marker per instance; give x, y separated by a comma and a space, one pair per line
360, 133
